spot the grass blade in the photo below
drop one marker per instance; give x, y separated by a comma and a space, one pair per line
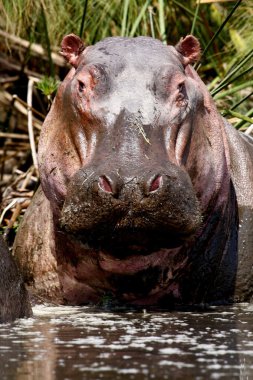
241, 101
195, 18
242, 122
223, 85
220, 28
235, 70
186, 9
138, 20
162, 21
124, 20
48, 45
240, 116
233, 90
83, 18
150, 11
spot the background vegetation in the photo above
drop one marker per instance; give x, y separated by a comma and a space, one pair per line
31, 68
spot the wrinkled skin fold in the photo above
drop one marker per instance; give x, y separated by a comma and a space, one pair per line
142, 194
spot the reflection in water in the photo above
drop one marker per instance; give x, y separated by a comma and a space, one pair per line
84, 343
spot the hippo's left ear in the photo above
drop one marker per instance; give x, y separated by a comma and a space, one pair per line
189, 48
71, 48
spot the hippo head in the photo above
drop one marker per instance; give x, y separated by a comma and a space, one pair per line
128, 153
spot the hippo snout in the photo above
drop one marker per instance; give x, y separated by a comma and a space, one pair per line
143, 210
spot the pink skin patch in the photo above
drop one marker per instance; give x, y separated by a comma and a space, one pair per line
156, 183
104, 184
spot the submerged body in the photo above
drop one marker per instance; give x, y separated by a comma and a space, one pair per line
146, 191
14, 300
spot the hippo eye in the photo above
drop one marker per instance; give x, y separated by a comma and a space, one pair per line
181, 98
81, 86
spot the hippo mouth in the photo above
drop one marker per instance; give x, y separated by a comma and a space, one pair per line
127, 241
122, 233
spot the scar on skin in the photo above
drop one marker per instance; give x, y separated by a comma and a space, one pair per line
52, 170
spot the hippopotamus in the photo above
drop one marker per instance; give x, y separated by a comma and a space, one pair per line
146, 191
14, 299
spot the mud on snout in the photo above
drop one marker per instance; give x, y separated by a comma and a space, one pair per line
142, 213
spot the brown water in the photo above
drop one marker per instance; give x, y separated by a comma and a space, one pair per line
84, 343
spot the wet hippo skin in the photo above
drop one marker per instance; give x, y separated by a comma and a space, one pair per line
14, 300
146, 191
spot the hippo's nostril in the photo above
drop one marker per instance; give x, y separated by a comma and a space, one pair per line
155, 183
104, 184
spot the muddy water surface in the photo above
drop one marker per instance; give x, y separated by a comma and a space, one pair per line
85, 343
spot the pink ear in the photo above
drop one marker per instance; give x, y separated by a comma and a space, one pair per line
71, 48
190, 49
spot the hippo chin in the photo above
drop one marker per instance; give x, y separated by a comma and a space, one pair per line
147, 192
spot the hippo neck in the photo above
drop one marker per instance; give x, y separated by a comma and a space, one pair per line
218, 264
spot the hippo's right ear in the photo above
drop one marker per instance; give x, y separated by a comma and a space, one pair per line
190, 49
71, 48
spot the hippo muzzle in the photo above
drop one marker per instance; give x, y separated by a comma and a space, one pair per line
109, 210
